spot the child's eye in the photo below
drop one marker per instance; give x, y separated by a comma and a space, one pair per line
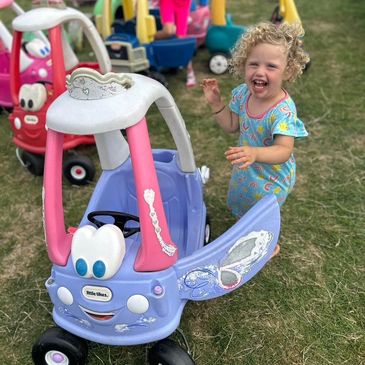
272, 66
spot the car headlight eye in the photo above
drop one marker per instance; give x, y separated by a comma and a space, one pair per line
98, 252
81, 267
32, 97
99, 269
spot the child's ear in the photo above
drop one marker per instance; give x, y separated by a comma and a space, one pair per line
287, 74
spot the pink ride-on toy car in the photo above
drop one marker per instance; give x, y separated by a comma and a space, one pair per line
35, 63
199, 21
31, 101
124, 275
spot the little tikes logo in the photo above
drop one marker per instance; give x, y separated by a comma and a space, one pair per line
97, 293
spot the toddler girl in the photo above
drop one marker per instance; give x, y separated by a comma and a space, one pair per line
262, 111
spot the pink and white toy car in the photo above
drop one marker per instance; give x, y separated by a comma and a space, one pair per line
35, 60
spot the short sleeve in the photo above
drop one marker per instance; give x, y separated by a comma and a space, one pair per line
286, 122
238, 98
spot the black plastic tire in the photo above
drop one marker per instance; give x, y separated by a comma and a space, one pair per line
207, 230
307, 65
158, 76
78, 169
34, 163
57, 346
168, 352
218, 63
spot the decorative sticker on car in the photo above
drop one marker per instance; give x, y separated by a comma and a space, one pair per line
227, 274
141, 322
149, 197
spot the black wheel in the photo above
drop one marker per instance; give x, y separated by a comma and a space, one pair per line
58, 347
168, 352
158, 76
5, 109
207, 230
218, 63
34, 163
78, 170
307, 65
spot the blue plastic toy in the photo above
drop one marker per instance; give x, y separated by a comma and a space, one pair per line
124, 275
221, 37
132, 48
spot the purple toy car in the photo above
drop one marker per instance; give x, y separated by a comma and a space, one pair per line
140, 252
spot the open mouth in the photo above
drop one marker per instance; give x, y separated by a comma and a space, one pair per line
99, 316
259, 83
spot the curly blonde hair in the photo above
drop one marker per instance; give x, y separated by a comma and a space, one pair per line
285, 35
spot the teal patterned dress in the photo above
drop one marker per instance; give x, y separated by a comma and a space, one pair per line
248, 186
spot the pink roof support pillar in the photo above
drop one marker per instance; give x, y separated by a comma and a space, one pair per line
157, 251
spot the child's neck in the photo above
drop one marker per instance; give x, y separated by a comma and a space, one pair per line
259, 106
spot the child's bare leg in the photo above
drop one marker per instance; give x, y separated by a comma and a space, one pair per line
276, 251
190, 75
168, 30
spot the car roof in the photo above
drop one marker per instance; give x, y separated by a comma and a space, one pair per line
45, 18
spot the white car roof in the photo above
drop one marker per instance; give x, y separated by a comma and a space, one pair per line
45, 18
100, 105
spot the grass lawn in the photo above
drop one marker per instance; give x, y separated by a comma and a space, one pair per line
307, 306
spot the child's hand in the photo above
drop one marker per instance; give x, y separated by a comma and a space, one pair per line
241, 155
211, 91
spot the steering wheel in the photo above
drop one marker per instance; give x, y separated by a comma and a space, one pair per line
120, 220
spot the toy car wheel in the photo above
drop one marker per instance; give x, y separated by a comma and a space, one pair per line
207, 231
78, 170
307, 65
158, 76
58, 347
34, 163
168, 352
218, 63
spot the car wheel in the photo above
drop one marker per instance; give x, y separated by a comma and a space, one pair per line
307, 65
168, 352
34, 163
207, 230
59, 347
78, 170
218, 63
158, 76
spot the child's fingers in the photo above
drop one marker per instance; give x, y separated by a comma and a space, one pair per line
243, 161
237, 158
209, 83
244, 165
234, 152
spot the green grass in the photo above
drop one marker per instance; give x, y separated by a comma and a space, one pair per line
307, 306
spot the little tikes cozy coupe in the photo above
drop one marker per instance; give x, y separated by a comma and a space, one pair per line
124, 275
31, 101
35, 63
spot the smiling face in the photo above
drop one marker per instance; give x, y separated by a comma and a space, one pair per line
265, 71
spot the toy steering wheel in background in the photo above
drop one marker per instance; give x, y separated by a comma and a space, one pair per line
120, 220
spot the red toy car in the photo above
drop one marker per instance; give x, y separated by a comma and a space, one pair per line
31, 101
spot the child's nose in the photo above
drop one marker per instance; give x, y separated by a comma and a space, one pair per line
260, 70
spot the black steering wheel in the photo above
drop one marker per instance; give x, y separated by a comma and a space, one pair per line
120, 220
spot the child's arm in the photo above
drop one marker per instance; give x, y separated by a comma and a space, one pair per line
276, 154
228, 120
